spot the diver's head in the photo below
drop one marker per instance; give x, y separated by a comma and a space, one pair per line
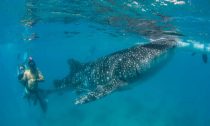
31, 64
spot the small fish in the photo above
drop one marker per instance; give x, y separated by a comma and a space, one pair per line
193, 54
173, 33
70, 33
205, 58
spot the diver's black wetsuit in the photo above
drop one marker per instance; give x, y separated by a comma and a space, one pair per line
37, 95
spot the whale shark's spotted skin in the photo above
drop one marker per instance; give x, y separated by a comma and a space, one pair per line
114, 71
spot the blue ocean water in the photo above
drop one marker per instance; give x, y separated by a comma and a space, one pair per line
177, 94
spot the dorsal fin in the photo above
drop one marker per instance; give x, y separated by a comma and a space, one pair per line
74, 65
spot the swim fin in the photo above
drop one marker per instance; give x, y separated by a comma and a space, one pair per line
42, 101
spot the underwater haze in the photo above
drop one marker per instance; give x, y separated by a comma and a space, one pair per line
54, 31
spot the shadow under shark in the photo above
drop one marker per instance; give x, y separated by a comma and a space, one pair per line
112, 72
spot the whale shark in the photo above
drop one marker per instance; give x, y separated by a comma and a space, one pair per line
107, 74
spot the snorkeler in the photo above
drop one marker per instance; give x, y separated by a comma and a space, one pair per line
30, 78
32, 75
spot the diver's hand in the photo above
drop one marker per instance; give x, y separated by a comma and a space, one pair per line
34, 80
40, 80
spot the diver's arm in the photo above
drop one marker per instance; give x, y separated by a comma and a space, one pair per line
23, 79
22, 82
41, 77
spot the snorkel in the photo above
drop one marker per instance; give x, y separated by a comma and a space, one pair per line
32, 65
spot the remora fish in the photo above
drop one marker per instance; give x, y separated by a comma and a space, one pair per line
109, 73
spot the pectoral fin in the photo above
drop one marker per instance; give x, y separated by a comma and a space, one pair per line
99, 92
